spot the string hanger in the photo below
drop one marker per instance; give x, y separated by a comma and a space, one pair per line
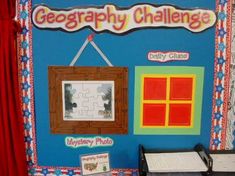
90, 39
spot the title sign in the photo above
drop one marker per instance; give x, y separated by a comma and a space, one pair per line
121, 20
159, 56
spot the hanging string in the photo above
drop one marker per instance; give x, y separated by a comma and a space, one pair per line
79, 53
90, 40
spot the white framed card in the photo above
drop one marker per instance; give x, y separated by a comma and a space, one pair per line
95, 164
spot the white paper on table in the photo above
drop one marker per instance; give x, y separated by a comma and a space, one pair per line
175, 162
223, 162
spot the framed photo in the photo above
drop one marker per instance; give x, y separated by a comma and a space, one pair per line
88, 100
95, 164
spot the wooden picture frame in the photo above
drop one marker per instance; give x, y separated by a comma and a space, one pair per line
74, 116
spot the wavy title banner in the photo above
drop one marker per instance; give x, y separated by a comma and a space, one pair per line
121, 20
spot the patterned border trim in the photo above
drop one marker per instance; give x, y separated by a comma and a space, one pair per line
25, 64
26, 77
221, 75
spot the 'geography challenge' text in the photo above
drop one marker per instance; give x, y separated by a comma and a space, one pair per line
120, 20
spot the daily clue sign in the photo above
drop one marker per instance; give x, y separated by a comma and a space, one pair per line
121, 20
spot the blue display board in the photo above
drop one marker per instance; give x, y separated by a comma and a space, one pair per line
55, 47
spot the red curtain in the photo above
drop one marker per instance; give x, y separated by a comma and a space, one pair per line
12, 148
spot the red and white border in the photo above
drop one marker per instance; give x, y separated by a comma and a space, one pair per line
221, 75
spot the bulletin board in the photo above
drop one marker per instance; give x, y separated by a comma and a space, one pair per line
210, 50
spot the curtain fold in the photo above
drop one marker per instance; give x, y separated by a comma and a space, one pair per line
12, 147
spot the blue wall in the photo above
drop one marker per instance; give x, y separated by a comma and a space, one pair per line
59, 48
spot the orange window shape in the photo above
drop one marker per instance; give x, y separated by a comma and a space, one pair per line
181, 88
154, 114
155, 88
168, 100
180, 115
178, 100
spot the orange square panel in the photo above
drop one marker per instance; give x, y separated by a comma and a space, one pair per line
180, 115
154, 114
155, 88
181, 88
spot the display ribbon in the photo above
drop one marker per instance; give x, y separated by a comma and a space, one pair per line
90, 40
